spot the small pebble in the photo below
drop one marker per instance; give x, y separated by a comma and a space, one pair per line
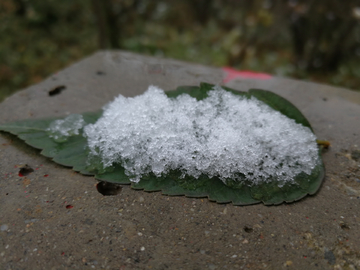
4, 227
212, 266
27, 221
142, 248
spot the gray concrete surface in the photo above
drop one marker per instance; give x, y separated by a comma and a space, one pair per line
139, 230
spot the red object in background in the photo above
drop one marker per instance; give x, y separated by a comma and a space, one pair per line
232, 74
69, 206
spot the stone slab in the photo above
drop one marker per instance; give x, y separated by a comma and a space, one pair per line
54, 218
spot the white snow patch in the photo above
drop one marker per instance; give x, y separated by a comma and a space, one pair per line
61, 129
223, 135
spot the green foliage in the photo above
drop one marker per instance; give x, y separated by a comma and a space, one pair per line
40, 37
74, 153
311, 40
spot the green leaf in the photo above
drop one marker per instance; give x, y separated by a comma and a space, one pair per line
281, 105
74, 153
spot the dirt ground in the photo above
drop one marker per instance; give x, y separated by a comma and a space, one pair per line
54, 218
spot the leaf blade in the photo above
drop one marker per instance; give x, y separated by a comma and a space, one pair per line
74, 153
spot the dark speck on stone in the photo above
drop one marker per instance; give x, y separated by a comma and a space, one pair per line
108, 189
330, 257
25, 170
248, 229
88, 221
56, 90
355, 155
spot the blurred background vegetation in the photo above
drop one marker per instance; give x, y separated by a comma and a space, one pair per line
306, 39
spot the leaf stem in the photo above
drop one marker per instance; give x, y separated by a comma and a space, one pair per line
323, 143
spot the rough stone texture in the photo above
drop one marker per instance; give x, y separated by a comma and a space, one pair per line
54, 218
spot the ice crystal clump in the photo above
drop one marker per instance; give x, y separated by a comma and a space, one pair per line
61, 129
223, 135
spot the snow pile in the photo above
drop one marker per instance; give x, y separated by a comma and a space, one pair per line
61, 129
224, 135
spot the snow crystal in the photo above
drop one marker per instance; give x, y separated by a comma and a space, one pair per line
61, 129
223, 135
